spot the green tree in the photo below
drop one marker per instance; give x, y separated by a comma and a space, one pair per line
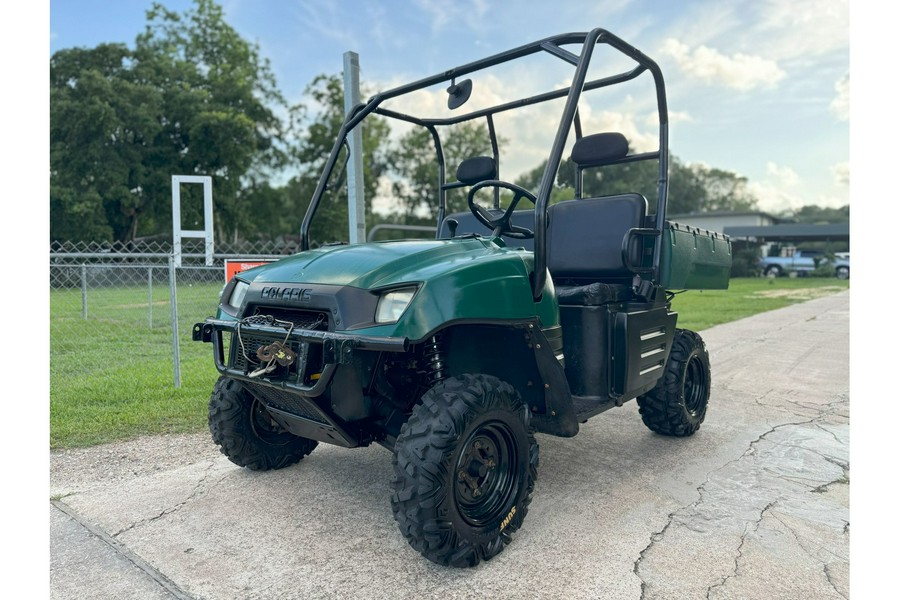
192, 97
692, 187
415, 169
639, 177
531, 181
818, 214
719, 189
101, 124
331, 222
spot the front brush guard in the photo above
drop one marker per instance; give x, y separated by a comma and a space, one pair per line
337, 349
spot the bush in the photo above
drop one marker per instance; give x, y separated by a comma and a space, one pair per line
743, 263
824, 269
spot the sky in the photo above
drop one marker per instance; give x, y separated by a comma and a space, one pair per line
759, 88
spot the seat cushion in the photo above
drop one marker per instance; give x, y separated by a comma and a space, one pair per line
593, 294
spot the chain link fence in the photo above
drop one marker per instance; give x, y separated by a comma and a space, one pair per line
159, 250
121, 319
122, 314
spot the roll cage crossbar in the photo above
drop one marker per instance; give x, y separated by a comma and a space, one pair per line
570, 118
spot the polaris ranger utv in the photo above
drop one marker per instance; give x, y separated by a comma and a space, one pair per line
453, 352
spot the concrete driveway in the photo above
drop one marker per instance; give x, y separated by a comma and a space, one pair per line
755, 505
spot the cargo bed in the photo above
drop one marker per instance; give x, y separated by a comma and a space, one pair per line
694, 259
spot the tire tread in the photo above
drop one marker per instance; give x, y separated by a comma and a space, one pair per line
229, 424
662, 409
423, 451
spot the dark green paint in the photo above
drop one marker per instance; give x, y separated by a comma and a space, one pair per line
694, 259
472, 279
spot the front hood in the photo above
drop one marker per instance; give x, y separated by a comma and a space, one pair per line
464, 279
374, 265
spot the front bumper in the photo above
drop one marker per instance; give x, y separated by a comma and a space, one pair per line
336, 349
292, 393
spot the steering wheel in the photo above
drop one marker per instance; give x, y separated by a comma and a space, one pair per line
501, 225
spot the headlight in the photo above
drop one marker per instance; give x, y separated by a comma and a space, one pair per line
238, 293
392, 304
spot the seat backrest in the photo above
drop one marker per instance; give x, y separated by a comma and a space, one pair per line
585, 237
474, 170
599, 149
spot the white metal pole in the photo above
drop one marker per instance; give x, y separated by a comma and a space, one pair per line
173, 299
355, 191
84, 292
150, 297
176, 219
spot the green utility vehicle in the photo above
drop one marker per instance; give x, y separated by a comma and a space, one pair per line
453, 352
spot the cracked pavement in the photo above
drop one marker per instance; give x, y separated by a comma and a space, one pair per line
755, 505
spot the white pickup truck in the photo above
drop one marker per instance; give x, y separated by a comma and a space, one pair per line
803, 262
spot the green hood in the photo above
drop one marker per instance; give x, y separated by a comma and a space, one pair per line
470, 279
371, 266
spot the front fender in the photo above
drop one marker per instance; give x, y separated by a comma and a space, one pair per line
493, 286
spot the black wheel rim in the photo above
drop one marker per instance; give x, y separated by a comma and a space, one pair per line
265, 428
486, 474
695, 385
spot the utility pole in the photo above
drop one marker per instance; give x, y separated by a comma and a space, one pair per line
355, 191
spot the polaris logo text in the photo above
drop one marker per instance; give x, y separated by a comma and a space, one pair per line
287, 294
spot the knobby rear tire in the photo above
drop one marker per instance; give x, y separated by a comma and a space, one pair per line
677, 405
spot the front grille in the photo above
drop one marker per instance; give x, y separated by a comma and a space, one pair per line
245, 346
302, 319
245, 341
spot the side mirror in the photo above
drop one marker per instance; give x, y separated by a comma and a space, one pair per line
459, 93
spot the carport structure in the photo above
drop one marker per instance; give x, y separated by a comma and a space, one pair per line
791, 232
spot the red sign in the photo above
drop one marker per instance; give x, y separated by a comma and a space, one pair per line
232, 267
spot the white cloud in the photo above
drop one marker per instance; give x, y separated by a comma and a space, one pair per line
470, 12
621, 122
774, 29
831, 201
841, 173
384, 203
783, 176
739, 71
840, 106
778, 191
675, 116
783, 189
773, 197
803, 28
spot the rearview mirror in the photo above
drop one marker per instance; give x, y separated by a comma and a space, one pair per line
459, 93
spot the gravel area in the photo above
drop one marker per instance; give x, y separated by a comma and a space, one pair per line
75, 470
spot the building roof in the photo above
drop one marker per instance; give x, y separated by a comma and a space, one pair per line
793, 231
728, 213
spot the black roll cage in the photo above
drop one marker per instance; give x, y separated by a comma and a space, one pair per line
570, 117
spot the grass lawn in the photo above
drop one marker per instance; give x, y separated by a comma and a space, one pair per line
111, 375
701, 309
